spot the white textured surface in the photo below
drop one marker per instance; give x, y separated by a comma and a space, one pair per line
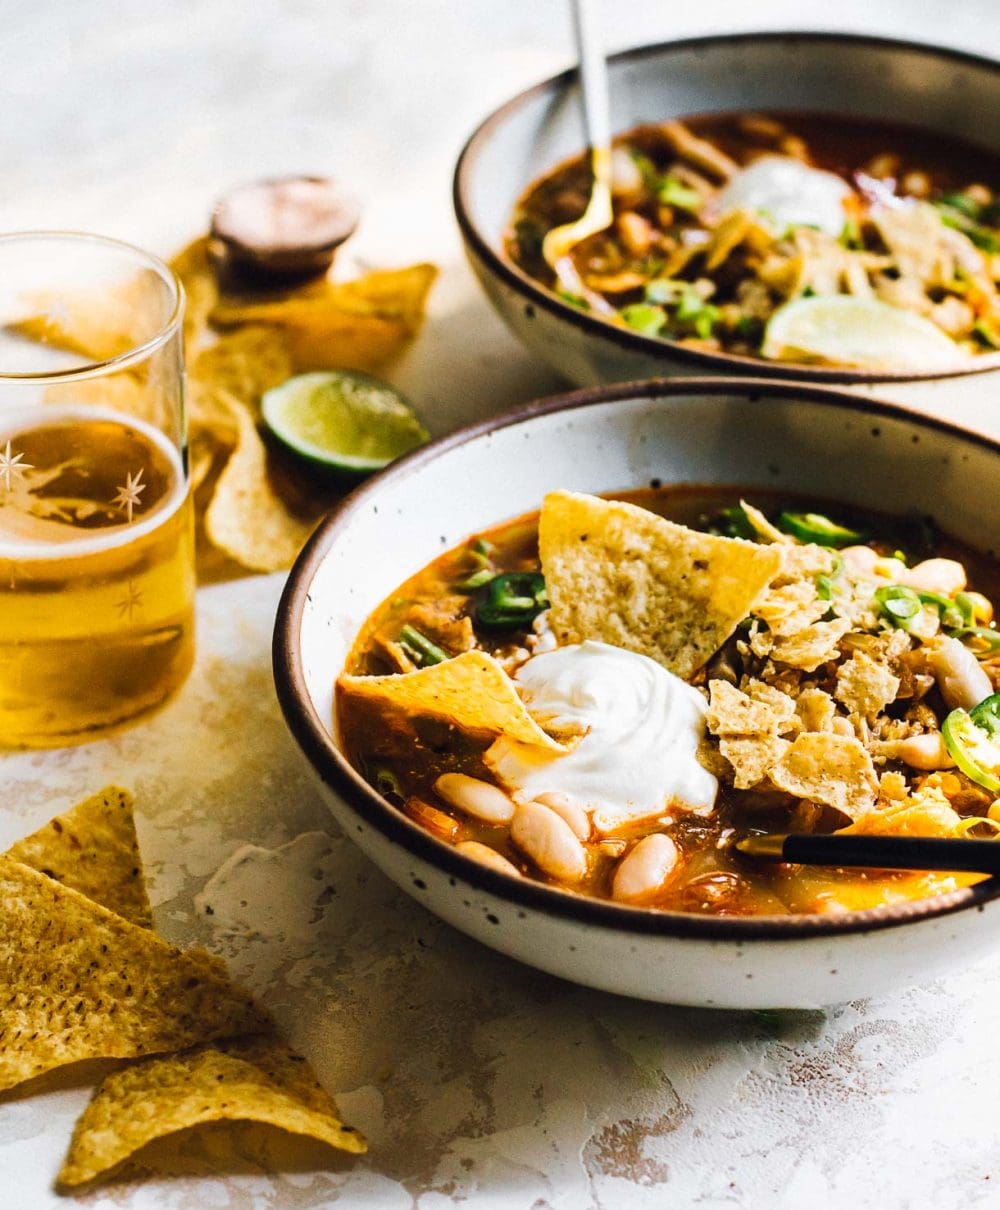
479, 1082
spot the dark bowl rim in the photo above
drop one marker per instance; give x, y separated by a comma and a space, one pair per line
480, 248
317, 743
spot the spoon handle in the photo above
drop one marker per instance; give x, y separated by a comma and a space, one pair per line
593, 73
881, 852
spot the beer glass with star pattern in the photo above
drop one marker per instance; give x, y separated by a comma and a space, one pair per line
96, 520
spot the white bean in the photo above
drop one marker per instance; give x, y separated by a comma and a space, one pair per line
477, 798
487, 856
959, 676
573, 813
549, 841
946, 576
925, 752
645, 868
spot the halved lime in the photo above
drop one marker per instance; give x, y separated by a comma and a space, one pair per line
345, 420
864, 333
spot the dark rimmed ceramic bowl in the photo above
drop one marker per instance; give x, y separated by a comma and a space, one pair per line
943, 90
755, 433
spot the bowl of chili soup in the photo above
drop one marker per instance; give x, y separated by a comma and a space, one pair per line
711, 931
731, 154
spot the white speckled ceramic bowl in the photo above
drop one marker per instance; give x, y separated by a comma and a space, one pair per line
752, 433
897, 81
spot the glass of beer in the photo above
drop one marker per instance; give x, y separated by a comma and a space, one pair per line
96, 520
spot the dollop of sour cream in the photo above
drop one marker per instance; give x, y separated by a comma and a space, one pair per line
638, 754
787, 193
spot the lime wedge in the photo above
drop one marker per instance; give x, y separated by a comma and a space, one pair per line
345, 420
841, 330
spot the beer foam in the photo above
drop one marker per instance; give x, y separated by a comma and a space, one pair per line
91, 542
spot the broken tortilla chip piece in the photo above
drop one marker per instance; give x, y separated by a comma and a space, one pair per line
246, 519
763, 710
752, 757
93, 849
622, 575
472, 691
865, 686
828, 768
249, 1079
812, 645
80, 982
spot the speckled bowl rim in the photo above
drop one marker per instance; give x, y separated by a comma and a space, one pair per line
537, 295
317, 743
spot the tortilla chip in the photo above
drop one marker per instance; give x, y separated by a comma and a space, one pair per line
623, 575
752, 757
355, 325
831, 769
251, 1079
471, 691
95, 324
80, 982
240, 365
811, 646
246, 519
865, 686
390, 293
194, 270
93, 849
122, 392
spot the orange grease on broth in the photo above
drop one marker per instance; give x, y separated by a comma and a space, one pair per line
713, 880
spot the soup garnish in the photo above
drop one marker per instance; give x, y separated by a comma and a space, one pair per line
604, 699
808, 238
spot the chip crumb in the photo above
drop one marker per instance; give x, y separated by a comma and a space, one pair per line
752, 757
790, 608
733, 712
252, 1079
831, 769
864, 686
811, 646
816, 709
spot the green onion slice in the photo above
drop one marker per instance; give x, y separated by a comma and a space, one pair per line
970, 742
899, 604
824, 581
673, 192
953, 613
645, 318
420, 648
814, 527
513, 600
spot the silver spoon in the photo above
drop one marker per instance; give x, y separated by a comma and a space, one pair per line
598, 216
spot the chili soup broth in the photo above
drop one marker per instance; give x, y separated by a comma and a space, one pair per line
437, 615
